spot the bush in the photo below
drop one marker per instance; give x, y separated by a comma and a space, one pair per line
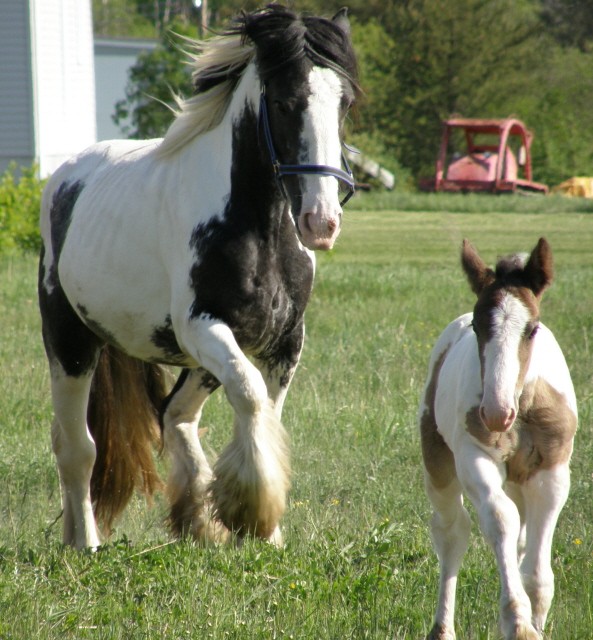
20, 200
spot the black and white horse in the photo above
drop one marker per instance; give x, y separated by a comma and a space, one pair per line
196, 251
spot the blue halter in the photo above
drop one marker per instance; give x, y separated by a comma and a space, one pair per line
281, 170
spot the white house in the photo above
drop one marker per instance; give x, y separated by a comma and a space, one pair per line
113, 59
47, 83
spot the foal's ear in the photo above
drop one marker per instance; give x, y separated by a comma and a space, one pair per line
341, 20
476, 270
539, 270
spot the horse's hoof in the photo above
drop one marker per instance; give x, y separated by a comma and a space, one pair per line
440, 632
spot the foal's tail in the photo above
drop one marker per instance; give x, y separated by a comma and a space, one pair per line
126, 396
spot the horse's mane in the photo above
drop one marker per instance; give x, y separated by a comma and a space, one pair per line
273, 37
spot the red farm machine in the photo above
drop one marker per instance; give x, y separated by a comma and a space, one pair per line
490, 155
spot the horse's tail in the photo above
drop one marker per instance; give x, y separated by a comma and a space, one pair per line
124, 404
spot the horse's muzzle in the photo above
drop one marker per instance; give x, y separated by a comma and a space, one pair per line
319, 231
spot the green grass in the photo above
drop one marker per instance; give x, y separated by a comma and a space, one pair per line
358, 562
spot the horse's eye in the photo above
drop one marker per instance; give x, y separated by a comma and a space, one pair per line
531, 331
282, 106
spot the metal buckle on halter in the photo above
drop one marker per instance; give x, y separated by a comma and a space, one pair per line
281, 170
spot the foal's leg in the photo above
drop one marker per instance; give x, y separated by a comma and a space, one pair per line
450, 528
515, 493
482, 480
251, 475
545, 495
190, 473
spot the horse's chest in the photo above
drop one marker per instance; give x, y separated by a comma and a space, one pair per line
260, 295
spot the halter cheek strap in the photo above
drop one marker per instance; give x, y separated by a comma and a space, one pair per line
281, 170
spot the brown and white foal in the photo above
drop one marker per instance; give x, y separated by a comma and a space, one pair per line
497, 422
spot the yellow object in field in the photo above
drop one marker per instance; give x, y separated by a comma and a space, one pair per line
576, 187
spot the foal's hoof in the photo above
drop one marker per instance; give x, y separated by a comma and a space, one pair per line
440, 632
524, 632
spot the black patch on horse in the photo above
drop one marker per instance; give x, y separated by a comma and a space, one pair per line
67, 339
250, 270
60, 214
65, 336
164, 338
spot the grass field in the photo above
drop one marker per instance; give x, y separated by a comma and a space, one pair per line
358, 562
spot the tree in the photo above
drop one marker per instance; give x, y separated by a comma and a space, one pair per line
570, 22
141, 18
153, 82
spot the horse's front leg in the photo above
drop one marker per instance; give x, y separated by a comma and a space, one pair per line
278, 369
545, 495
251, 476
482, 479
450, 529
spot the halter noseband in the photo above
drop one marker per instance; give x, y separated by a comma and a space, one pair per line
281, 170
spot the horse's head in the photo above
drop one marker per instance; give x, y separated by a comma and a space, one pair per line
308, 73
505, 322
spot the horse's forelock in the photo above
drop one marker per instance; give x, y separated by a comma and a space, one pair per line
510, 269
281, 37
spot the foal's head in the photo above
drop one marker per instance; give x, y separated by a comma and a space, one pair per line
505, 322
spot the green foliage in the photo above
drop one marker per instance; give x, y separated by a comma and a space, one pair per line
122, 18
154, 80
20, 201
558, 100
570, 22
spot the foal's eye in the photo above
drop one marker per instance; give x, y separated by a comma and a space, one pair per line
531, 331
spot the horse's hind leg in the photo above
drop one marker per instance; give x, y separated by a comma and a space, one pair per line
190, 474
74, 449
72, 351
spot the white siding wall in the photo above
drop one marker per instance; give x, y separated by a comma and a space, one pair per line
63, 78
17, 137
47, 81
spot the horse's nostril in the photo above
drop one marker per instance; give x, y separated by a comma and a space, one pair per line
510, 418
307, 220
483, 415
331, 225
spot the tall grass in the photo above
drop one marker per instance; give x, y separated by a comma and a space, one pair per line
358, 561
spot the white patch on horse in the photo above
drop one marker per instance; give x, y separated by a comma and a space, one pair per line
502, 362
320, 215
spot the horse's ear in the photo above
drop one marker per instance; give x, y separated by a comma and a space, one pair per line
539, 270
477, 271
341, 20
